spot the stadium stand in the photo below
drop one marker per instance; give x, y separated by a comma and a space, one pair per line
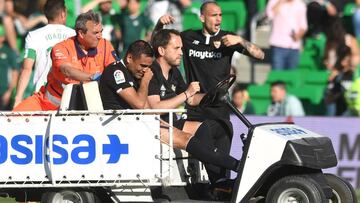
307, 85
260, 98
233, 19
292, 78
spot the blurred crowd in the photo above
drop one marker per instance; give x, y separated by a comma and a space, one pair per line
292, 21
295, 21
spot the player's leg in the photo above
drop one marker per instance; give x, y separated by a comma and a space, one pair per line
203, 151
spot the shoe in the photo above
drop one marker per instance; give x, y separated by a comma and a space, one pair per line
222, 191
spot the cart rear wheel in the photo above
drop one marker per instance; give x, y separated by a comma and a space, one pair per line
341, 189
295, 189
68, 196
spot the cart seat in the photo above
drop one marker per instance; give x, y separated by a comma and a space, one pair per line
81, 97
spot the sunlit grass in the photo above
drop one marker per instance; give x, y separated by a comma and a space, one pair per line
7, 200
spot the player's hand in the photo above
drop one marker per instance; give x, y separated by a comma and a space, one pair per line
229, 40
193, 88
166, 19
295, 36
148, 74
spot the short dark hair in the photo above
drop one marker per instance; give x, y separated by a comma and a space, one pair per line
81, 20
239, 87
162, 38
279, 83
205, 4
53, 8
139, 47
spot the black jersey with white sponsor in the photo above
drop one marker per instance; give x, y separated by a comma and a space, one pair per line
115, 78
166, 88
206, 59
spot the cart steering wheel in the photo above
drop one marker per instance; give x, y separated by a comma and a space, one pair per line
218, 92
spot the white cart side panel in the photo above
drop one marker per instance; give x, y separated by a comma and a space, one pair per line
22, 141
84, 148
267, 147
126, 147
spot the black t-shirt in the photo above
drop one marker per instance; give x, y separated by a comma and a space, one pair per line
115, 78
208, 61
166, 88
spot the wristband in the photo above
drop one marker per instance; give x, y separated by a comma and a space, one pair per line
96, 76
186, 96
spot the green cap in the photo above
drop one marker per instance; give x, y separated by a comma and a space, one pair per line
2, 30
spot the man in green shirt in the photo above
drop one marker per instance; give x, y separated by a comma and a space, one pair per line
9, 71
134, 25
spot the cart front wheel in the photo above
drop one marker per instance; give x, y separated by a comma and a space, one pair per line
68, 196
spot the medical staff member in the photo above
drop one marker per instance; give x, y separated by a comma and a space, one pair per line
81, 58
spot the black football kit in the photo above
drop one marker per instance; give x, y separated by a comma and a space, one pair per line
208, 61
114, 79
166, 88
211, 132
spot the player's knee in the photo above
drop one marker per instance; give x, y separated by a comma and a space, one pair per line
181, 139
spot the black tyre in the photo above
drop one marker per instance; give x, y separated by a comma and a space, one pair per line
69, 196
342, 191
299, 189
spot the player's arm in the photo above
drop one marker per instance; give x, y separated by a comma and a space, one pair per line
156, 103
163, 20
174, 102
249, 48
138, 99
12, 84
26, 69
91, 5
195, 100
24, 79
